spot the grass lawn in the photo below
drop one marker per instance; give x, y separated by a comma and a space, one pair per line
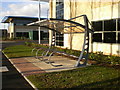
88, 77
18, 51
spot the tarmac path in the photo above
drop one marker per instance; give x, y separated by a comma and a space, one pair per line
11, 79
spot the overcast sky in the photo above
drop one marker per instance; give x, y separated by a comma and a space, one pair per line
21, 8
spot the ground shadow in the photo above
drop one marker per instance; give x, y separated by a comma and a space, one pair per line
111, 83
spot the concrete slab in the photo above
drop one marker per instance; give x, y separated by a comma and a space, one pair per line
3, 69
30, 65
60, 63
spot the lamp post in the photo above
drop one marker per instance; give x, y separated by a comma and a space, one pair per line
39, 12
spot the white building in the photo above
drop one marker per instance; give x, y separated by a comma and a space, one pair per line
18, 27
105, 17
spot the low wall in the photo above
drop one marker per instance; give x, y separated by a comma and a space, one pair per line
107, 48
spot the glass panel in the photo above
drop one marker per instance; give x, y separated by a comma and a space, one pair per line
59, 43
45, 35
59, 39
35, 35
18, 34
22, 34
97, 37
59, 9
110, 25
97, 25
110, 37
118, 37
26, 34
118, 24
63, 26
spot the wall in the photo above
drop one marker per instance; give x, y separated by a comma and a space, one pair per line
105, 12
75, 41
107, 48
95, 10
25, 28
11, 29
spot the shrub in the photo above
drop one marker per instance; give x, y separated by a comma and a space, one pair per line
28, 43
114, 59
98, 56
16, 38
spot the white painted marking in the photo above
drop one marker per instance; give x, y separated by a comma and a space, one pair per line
3, 69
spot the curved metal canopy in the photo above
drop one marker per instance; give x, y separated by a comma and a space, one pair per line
41, 0
68, 26
61, 25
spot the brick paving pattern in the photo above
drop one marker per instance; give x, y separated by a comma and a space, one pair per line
25, 67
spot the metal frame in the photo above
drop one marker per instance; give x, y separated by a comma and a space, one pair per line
41, 23
85, 49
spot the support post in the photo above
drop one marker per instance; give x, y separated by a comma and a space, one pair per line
39, 23
85, 48
39, 35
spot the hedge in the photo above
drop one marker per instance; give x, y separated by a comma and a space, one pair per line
98, 56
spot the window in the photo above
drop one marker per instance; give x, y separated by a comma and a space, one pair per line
60, 9
18, 34
118, 24
59, 39
97, 37
26, 34
59, 15
35, 35
44, 35
110, 25
97, 25
110, 37
119, 37
22, 34
108, 30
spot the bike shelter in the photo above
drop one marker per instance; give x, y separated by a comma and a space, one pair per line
62, 26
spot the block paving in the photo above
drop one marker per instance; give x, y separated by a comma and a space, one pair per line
25, 67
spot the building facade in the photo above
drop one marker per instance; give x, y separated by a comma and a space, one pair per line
18, 27
104, 16
3, 33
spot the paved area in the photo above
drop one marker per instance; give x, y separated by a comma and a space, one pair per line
11, 78
30, 65
58, 63
25, 67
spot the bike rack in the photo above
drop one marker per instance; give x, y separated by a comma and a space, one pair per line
52, 25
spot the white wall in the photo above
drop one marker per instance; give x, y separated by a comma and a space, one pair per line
105, 12
95, 11
28, 28
11, 29
106, 48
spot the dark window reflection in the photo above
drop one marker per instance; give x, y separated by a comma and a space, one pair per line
97, 37
119, 37
97, 25
110, 25
110, 37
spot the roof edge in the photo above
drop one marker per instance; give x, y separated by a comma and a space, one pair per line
6, 18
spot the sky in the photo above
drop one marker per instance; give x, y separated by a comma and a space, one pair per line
21, 8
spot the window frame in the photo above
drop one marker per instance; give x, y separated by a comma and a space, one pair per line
103, 31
